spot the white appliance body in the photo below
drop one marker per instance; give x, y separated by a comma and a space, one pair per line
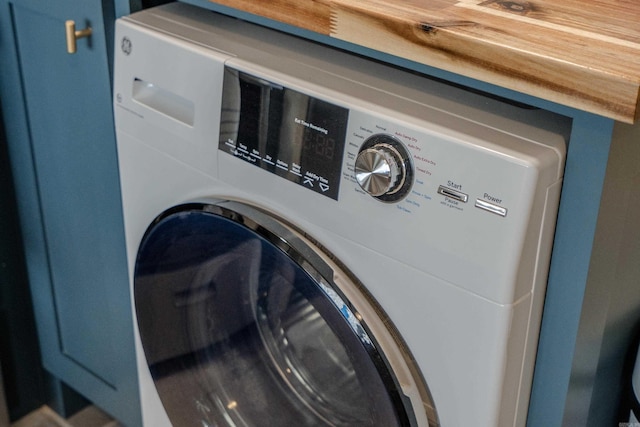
458, 263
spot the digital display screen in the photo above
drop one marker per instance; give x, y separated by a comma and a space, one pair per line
283, 131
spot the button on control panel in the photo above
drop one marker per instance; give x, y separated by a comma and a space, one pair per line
491, 207
453, 194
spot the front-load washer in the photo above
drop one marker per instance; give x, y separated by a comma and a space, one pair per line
317, 239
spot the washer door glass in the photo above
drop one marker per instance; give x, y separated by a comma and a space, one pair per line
240, 328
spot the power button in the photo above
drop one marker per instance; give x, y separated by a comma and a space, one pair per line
491, 207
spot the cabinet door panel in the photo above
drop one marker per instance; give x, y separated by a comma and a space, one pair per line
76, 184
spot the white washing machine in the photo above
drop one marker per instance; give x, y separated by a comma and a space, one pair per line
316, 239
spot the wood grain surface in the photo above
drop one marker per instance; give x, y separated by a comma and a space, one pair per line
580, 53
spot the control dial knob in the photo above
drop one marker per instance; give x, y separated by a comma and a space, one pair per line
383, 168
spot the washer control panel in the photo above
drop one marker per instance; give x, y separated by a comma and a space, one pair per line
336, 148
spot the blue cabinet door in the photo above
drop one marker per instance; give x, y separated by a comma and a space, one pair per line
69, 198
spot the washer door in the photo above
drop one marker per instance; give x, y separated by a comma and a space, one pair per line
243, 324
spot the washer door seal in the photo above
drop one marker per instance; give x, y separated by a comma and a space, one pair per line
243, 324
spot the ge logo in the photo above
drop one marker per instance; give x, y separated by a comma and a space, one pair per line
126, 45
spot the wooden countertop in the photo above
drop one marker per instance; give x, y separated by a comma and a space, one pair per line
580, 53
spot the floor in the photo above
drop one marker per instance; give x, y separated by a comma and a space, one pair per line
46, 417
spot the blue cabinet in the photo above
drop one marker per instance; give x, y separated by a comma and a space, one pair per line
57, 109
